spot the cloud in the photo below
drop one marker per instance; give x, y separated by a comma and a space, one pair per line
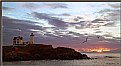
56, 5
77, 42
40, 15
76, 23
117, 5
56, 36
77, 18
65, 14
99, 20
16, 27
17, 24
110, 24
44, 5
105, 10
74, 33
51, 20
81, 24
30, 6
98, 32
7, 8
112, 14
62, 39
109, 11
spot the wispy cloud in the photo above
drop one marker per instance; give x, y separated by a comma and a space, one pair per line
56, 5
112, 14
116, 5
44, 5
64, 14
100, 20
7, 8
30, 6
51, 20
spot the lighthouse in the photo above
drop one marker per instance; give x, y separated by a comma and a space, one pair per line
32, 38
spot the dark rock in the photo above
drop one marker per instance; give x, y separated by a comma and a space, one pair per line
40, 52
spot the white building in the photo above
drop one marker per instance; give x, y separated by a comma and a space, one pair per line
31, 38
19, 40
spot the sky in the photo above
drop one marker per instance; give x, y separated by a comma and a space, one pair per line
66, 24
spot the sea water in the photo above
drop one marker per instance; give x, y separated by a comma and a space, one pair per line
100, 61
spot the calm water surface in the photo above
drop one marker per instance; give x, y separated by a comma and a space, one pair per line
85, 62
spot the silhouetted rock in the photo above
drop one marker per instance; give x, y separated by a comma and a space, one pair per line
40, 52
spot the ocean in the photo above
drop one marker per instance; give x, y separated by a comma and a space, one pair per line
99, 59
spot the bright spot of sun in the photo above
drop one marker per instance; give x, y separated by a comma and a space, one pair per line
96, 50
99, 50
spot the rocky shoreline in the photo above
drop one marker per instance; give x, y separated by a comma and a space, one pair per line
40, 52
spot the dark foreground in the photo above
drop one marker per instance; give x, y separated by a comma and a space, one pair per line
40, 52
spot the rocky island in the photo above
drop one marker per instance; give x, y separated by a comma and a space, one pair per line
40, 52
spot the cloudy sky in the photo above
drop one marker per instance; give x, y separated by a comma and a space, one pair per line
65, 24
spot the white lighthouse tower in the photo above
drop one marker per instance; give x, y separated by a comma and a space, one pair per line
32, 38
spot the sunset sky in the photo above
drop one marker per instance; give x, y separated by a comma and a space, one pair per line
64, 23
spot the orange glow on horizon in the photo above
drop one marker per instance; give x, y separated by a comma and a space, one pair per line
96, 50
